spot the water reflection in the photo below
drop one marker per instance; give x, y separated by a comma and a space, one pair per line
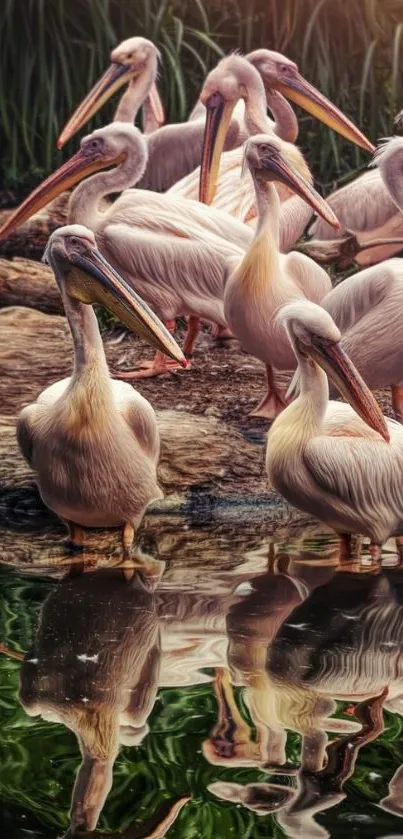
302, 659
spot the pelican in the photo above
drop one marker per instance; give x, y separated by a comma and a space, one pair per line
173, 150
233, 79
372, 205
93, 442
135, 60
106, 650
173, 251
326, 459
265, 279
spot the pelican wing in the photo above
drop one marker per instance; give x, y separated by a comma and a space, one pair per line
360, 473
357, 296
140, 417
174, 215
310, 277
174, 275
362, 205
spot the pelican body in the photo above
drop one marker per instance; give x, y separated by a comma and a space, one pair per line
174, 150
171, 250
340, 465
93, 442
372, 205
265, 279
262, 78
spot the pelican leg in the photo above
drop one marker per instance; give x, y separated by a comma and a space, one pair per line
193, 329
397, 402
160, 365
274, 402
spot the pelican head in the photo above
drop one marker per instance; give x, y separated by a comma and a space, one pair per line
272, 159
105, 147
279, 73
232, 80
85, 275
316, 338
128, 61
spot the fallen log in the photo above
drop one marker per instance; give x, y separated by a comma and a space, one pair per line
29, 283
30, 239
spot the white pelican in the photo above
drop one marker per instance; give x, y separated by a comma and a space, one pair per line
134, 60
372, 205
173, 251
321, 456
174, 149
266, 279
93, 442
235, 79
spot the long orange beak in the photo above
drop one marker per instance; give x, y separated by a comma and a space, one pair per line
114, 78
73, 171
271, 164
348, 381
298, 90
218, 118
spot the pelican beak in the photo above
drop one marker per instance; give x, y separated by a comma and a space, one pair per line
103, 285
156, 105
348, 381
73, 171
298, 90
115, 77
273, 163
218, 118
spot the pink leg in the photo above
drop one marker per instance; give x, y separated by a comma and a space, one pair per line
192, 332
274, 401
159, 366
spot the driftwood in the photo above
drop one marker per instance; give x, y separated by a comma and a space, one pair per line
29, 283
31, 238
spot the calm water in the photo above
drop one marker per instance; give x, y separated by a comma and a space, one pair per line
266, 688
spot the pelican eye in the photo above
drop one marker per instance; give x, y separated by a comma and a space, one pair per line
92, 146
265, 147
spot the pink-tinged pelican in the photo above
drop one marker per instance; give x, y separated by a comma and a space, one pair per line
265, 279
372, 205
342, 466
93, 442
366, 307
135, 60
171, 250
232, 80
173, 150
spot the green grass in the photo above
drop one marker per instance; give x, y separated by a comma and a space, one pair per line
51, 51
